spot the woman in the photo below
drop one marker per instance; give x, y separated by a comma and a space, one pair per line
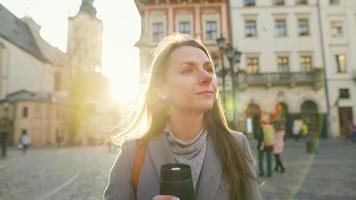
278, 148
186, 124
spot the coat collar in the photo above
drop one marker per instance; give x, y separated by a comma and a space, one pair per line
160, 152
211, 172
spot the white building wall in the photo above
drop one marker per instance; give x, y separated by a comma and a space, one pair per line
25, 72
345, 13
267, 46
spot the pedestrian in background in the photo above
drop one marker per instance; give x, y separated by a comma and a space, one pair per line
353, 128
58, 139
296, 129
4, 129
25, 141
278, 148
257, 128
268, 142
3, 141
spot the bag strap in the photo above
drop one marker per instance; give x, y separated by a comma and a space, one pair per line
138, 163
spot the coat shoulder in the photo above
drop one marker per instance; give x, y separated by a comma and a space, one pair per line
128, 148
239, 136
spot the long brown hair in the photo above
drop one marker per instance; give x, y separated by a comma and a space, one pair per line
153, 114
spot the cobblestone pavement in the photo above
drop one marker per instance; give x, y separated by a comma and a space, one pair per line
329, 174
81, 173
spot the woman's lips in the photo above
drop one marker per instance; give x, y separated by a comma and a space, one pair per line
205, 93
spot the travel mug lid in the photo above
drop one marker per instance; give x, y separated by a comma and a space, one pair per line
175, 172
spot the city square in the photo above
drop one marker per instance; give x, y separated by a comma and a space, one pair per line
78, 77
82, 173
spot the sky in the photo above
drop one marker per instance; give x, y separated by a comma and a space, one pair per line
121, 23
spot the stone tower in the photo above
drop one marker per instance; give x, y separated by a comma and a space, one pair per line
84, 45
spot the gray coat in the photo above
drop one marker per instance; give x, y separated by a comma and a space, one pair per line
211, 184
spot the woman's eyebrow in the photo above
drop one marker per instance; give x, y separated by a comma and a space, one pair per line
208, 63
187, 63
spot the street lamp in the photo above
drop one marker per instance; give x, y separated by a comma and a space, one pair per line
233, 56
221, 72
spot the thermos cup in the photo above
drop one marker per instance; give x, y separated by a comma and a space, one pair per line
176, 179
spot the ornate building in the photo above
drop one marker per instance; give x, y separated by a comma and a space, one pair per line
198, 18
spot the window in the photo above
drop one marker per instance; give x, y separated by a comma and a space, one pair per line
336, 29
283, 63
344, 93
211, 30
157, 31
24, 112
302, 2
306, 63
334, 2
280, 27
250, 28
184, 27
278, 2
340, 63
249, 2
252, 64
303, 27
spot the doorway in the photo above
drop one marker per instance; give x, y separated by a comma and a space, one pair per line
345, 121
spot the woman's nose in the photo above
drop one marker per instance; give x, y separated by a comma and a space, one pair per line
205, 77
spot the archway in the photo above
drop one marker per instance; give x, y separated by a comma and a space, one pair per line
253, 114
309, 113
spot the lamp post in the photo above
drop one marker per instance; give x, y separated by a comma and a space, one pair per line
233, 56
221, 72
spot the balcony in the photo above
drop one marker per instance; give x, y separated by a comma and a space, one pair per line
312, 78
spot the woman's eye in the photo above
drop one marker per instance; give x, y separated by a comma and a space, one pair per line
188, 70
209, 69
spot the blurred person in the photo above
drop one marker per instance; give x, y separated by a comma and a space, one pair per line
185, 124
4, 129
3, 141
268, 142
353, 128
278, 148
260, 147
304, 131
296, 129
58, 139
25, 141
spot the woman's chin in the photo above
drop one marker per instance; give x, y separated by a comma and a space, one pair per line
204, 107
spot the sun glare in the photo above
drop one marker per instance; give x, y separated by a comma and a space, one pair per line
124, 91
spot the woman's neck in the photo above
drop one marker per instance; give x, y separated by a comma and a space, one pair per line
185, 126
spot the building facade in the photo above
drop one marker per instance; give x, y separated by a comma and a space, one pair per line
281, 60
34, 70
37, 114
38, 81
338, 19
198, 18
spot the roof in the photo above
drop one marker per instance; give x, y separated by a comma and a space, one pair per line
17, 32
23, 95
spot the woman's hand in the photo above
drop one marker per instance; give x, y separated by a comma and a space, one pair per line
165, 197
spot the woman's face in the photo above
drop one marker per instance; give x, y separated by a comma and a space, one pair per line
190, 83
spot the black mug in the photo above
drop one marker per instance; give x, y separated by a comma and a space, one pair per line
176, 179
